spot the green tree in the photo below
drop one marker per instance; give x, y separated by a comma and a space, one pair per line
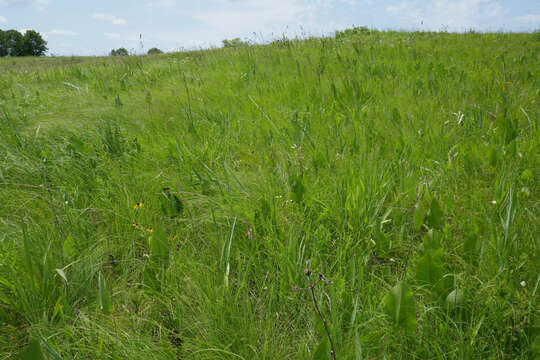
154, 51
12, 43
3, 47
33, 44
356, 31
119, 52
234, 43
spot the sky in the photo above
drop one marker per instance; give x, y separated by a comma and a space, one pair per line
95, 27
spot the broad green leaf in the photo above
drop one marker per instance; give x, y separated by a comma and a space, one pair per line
104, 295
298, 190
429, 268
322, 352
171, 205
435, 218
419, 215
159, 248
32, 351
455, 299
68, 247
400, 306
176, 204
431, 241
357, 347
471, 243
62, 274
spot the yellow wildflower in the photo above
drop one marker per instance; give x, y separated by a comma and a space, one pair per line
150, 230
138, 205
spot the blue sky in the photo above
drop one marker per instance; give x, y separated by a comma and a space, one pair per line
95, 27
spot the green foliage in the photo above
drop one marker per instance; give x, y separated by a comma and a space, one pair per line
159, 249
105, 301
298, 189
435, 217
400, 306
274, 154
419, 215
32, 351
171, 205
33, 44
13, 43
322, 352
234, 43
154, 51
119, 52
351, 33
455, 299
429, 267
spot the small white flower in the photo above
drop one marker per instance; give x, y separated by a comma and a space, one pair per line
523, 283
494, 202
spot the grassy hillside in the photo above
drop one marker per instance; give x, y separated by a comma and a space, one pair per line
165, 207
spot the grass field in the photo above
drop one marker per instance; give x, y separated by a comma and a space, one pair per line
165, 207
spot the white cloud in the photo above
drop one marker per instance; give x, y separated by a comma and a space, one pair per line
530, 19
61, 32
110, 18
112, 35
455, 15
3, 19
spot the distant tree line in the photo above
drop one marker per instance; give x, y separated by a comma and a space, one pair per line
13, 43
234, 43
123, 52
119, 52
355, 31
154, 51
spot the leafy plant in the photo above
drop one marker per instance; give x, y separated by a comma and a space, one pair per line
400, 306
105, 301
171, 205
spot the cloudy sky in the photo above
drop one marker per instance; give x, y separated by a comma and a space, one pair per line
95, 27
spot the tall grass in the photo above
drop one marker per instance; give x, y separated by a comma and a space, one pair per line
402, 165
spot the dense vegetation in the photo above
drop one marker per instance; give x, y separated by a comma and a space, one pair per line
165, 207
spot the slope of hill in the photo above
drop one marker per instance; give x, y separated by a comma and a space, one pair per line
165, 207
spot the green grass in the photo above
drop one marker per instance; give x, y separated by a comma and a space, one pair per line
385, 158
